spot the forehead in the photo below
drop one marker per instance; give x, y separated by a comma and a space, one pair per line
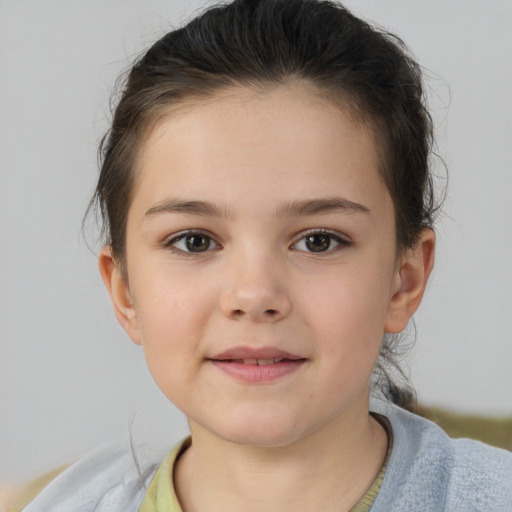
280, 141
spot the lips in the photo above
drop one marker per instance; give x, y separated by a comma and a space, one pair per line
252, 365
255, 354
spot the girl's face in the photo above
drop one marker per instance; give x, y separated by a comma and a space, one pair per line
261, 262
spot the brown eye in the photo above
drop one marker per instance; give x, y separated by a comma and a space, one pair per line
197, 243
321, 241
192, 242
318, 242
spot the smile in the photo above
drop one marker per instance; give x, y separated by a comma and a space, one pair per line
257, 365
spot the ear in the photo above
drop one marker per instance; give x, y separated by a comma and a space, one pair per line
410, 281
119, 291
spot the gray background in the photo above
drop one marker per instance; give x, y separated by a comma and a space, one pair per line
69, 377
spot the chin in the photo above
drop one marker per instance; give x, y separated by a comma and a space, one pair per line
261, 431
267, 439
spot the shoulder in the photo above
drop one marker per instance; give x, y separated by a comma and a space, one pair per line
429, 471
480, 475
108, 479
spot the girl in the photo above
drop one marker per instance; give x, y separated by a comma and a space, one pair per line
268, 211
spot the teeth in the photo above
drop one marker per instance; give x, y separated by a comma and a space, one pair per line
260, 362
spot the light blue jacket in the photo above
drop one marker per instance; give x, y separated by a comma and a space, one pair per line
427, 472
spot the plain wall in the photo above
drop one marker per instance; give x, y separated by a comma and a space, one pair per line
70, 379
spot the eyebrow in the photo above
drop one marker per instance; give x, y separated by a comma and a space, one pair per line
200, 208
297, 208
321, 206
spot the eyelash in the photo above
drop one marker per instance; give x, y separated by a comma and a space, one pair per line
171, 242
329, 235
341, 241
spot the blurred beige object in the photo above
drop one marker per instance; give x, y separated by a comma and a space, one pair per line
13, 498
496, 431
8, 494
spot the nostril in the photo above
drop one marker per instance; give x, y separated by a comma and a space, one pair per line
271, 312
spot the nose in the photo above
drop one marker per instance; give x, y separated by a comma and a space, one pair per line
255, 291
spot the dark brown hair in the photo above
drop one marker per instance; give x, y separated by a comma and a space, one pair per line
254, 43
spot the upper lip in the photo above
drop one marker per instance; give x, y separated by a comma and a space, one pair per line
254, 353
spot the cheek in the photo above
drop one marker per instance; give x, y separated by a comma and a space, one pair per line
348, 312
168, 302
169, 334
172, 315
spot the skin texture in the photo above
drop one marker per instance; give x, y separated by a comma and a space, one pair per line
253, 156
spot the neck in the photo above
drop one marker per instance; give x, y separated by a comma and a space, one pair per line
330, 469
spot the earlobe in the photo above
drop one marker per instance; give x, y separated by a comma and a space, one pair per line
411, 280
119, 291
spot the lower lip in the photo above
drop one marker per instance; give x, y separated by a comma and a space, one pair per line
256, 373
